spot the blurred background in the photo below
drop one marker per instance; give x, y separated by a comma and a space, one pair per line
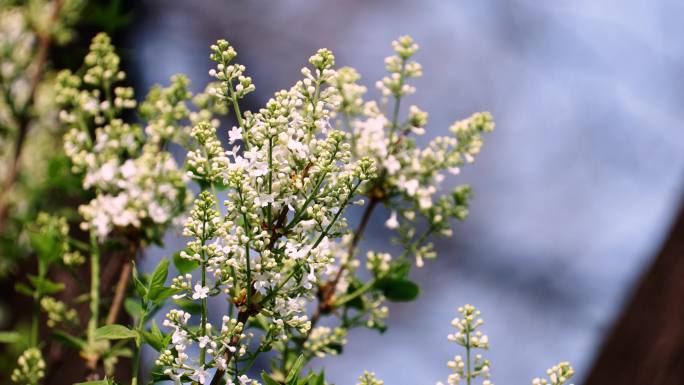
570, 250
576, 190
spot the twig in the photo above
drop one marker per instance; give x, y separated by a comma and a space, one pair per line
122, 285
243, 316
327, 291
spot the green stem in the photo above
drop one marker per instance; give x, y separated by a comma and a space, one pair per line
277, 288
37, 295
249, 275
395, 116
283, 362
337, 215
314, 105
250, 362
308, 200
415, 244
467, 346
238, 114
94, 288
270, 178
218, 204
357, 293
34, 322
314, 192
245, 225
397, 101
203, 268
108, 93
347, 123
135, 379
204, 310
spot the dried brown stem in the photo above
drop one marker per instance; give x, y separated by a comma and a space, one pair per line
120, 292
122, 284
243, 316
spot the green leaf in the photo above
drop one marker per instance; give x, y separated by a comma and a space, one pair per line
155, 338
184, 265
268, 380
24, 289
320, 379
46, 246
154, 329
9, 337
60, 178
109, 16
398, 289
133, 308
293, 376
336, 346
120, 352
191, 307
313, 379
159, 275
356, 303
260, 322
160, 293
45, 286
380, 327
69, 340
114, 332
140, 288
157, 375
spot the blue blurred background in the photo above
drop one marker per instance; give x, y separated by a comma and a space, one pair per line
575, 190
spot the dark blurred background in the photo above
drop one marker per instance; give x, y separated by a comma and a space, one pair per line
576, 190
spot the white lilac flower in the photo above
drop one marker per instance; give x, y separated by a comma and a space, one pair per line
281, 239
199, 375
135, 180
392, 223
235, 134
369, 378
558, 375
200, 292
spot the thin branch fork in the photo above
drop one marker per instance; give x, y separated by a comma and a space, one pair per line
327, 291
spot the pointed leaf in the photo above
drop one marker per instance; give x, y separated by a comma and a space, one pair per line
184, 265
114, 332
140, 288
191, 307
45, 286
133, 308
293, 376
398, 289
309, 378
159, 275
160, 293
24, 289
69, 340
152, 340
268, 380
9, 337
320, 379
